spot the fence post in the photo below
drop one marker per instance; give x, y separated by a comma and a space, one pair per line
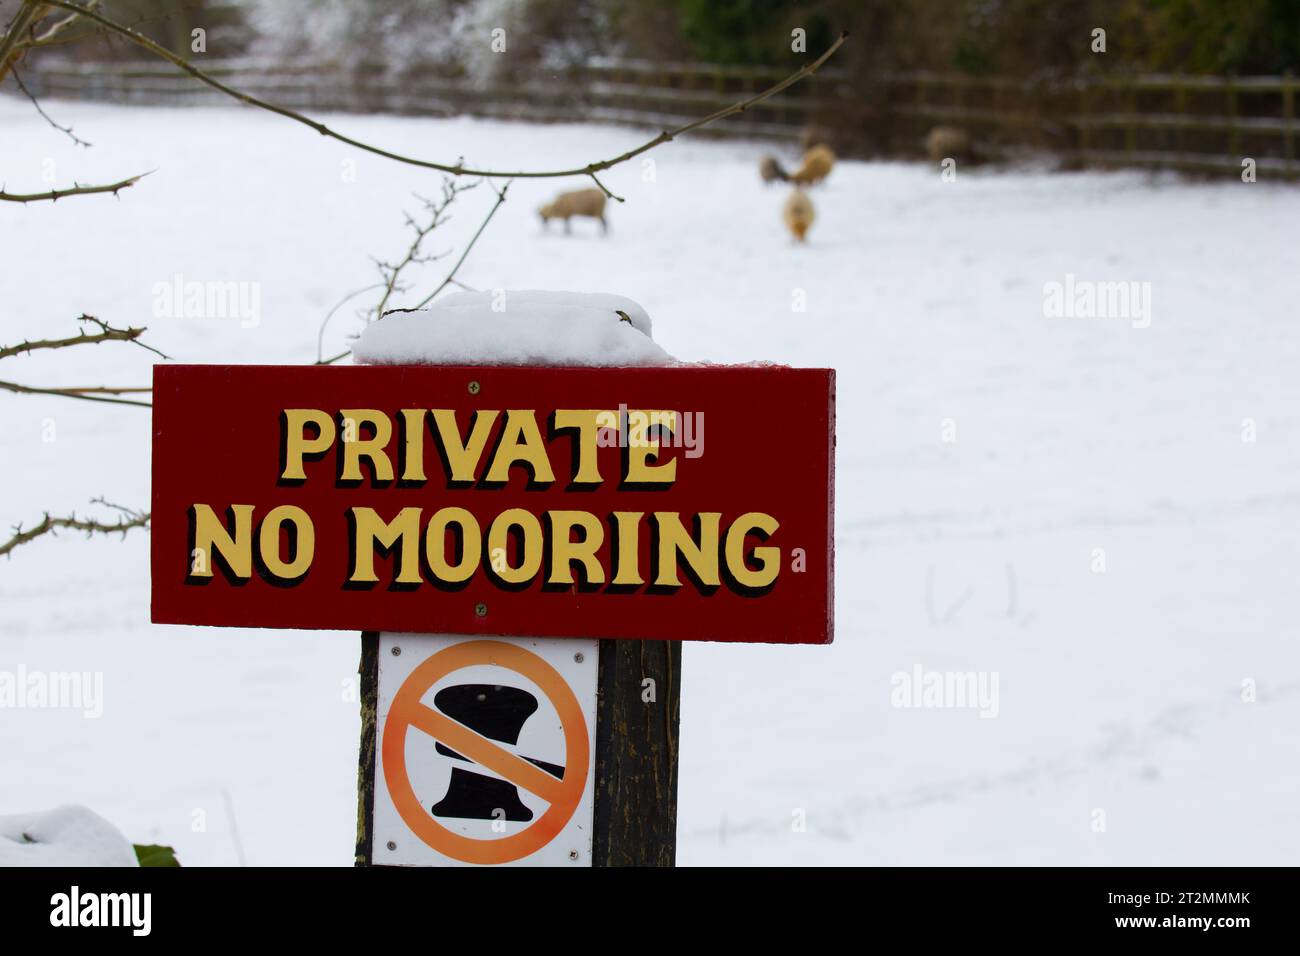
1130, 132
1234, 138
1288, 116
1085, 132
1180, 105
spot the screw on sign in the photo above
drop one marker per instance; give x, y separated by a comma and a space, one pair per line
560, 786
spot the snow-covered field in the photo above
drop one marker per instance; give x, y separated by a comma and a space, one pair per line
986, 452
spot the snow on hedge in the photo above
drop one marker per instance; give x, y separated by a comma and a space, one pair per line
65, 836
526, 327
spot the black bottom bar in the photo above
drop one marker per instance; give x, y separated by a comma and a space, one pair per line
400, 906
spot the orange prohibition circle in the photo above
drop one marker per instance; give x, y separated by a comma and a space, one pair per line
407, 711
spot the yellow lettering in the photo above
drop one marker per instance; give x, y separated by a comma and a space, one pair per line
768, 558
701, 557
462, 458
297, 444
413, 427
565, 551
627, 530
303, 540
587, 422
435, 545
521, 441
372, 448
212, 538
371, 530
530, 557
641, 449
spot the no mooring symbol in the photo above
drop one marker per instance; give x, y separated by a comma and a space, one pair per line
408, 711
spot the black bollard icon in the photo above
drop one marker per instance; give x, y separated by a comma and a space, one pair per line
498, 713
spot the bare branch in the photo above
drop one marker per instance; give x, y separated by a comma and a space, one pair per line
22, 25
106, 334
459, 169
451, 276
89, 393
130, 519
51, 35
437, 217
320, 335
605, 189
108, 390
46, 116
54, 195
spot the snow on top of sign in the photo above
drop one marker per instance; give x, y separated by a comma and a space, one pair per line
506, 327
65, 836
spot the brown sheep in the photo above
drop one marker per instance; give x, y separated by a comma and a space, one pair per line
817, 165
798, 214
771, 170
580, 202
948, 142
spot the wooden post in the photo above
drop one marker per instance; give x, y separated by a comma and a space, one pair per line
1234, 139
1130, 131
369, 693
637, 713
1288, 117
1085, 133
1180, 104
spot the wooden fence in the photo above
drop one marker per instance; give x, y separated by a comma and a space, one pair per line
1209, 124
1194, 123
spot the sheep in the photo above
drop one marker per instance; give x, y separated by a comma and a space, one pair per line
580, 202
798, 214
816, 166
948, 142
771, 170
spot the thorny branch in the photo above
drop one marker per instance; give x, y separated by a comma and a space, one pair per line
320, 333
437, 211
106, 333
66, 130
450, 278
89, 393
77, 190
58, 26
129, 519
23, 25
22, 35
459, 169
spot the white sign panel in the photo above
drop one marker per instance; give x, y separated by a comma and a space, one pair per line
485, 751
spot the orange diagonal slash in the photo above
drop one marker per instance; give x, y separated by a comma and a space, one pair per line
408, 711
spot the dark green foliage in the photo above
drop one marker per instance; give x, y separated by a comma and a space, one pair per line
154, 855
1220, 36
752, 32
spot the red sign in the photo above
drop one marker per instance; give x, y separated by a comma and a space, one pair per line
688, 503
